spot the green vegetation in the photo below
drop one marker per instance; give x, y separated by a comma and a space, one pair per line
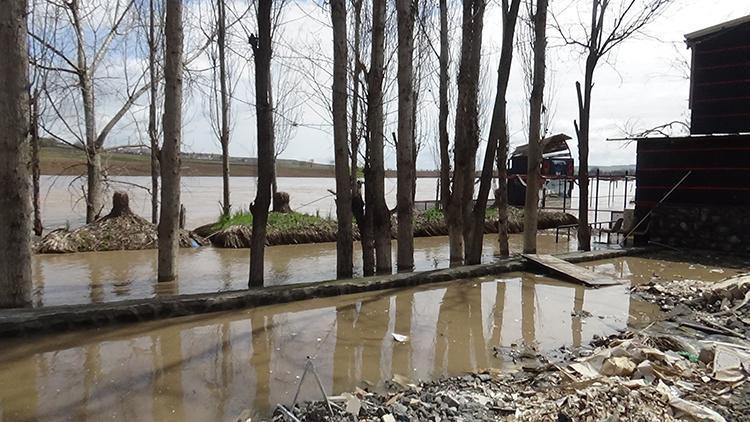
277, 221
435, 215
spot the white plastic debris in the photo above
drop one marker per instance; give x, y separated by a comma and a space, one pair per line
353, 404
695, 410
400, 337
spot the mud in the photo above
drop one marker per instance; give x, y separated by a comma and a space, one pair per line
214, 367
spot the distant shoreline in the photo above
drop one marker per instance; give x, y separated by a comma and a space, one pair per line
66, 161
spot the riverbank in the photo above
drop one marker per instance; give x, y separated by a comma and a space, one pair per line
295, 228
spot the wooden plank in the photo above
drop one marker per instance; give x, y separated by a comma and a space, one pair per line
571, 271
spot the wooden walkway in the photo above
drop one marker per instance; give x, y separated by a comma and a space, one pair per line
570, 271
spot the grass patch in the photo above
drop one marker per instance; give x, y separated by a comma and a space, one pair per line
276, 221
435, 215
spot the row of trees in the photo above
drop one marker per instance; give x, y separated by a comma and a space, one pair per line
71, 59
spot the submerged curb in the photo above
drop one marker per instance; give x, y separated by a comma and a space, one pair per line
18, 322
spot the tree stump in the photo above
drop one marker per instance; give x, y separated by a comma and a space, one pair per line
120, 205
281, 202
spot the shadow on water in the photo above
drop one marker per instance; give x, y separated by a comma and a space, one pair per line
211, 367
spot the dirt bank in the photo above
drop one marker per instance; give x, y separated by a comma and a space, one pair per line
321, 230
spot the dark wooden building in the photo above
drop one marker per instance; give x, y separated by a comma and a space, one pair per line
694, 191
720, 78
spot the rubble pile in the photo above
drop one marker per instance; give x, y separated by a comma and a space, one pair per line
717, 308
638, 378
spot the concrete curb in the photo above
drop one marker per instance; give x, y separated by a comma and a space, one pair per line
18, 322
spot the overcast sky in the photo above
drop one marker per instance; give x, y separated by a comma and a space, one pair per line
640, 86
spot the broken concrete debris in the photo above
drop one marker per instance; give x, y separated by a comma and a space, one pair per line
627, 376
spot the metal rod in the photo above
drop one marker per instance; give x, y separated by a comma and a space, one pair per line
625, 239
625, 194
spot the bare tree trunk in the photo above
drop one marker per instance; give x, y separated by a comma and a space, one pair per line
153, 134
169, 221
226, 206
356, 70
501, 195
445, 164
380, 213
467, 128
35, 170
94, 201
344, 252
264, 114
498, 126
15, 203
366, 232
531, 210
584, 113
363, 218
405, 146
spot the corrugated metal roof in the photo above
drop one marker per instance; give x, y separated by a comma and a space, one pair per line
695, 36
554, 143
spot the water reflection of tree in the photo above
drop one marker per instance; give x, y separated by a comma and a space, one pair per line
528, 310
576, 324
460, 344
360, 330
401, 360
498, 313
260, 359
168, 391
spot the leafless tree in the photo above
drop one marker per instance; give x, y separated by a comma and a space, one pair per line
467, 129
363, 217
445, 166
344, 251
15, 203
81, 47
40, 59
287, 108
261, 45
497, 146
406, 11
169, 221
376, 139
536, 102
155, 37
612, 22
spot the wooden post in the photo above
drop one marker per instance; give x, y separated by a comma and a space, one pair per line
183, 216
596, 198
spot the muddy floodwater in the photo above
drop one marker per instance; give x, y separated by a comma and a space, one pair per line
212, 367
62, 205
111, 276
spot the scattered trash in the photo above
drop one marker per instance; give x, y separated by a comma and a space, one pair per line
400, 337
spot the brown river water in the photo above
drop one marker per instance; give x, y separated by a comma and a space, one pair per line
212, 367
62, 205
111, 276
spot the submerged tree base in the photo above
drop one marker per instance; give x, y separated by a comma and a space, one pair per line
295, 228
121, 229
